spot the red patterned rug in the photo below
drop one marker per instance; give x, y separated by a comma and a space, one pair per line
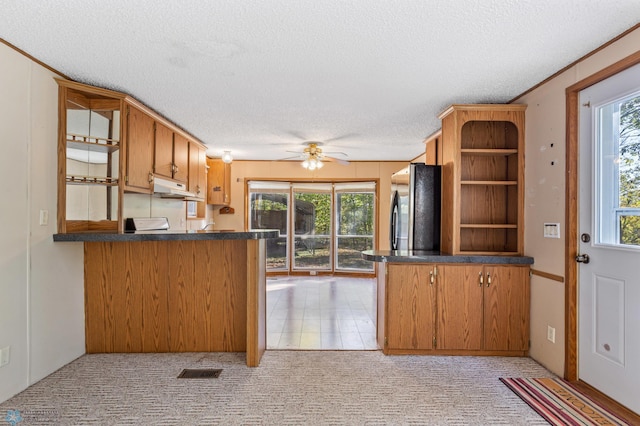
560, 403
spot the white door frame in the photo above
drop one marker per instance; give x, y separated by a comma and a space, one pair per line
571, 218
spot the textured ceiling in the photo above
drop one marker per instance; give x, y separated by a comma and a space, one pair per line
260, 77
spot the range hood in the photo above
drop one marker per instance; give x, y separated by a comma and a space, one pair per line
171, 189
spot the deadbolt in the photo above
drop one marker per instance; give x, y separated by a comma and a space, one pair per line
585, 238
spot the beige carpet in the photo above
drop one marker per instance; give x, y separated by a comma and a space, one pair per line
289, 388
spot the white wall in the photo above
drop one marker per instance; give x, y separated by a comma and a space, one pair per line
41, 282
545, 195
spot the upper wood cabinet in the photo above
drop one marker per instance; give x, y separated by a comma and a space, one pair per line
197, 170
140, 142
171, 157
110, 144
483, 179
181, 158
218, 182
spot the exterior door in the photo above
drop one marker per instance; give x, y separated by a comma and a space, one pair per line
609, 232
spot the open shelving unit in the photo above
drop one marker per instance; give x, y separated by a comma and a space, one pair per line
483, 179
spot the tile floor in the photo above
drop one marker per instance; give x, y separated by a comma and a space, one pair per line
323, 312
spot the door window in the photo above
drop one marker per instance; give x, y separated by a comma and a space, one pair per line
617, 183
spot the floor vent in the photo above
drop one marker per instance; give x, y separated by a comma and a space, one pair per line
200, 373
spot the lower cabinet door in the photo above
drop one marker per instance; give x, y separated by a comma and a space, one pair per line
410, 314
506, 308
460, 307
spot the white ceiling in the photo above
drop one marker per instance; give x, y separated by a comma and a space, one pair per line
260, 77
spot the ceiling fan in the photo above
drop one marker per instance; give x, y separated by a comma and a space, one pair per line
313, 157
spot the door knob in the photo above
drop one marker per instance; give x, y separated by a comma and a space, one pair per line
582, 258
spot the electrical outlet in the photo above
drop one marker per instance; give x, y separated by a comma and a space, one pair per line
313, 272
551, 334
5, 356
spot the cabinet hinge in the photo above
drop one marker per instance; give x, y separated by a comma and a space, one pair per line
126, 179
386, 342
435, 342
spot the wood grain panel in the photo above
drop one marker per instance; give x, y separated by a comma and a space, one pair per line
184, 322
139, 157
163, 151
256, 301
97, 297
127, 297
506, 308
459, 324
180, 158
176, 296
155, 303
410, 307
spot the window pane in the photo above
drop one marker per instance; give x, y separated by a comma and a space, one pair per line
355, 228
349, 256
269, 211
618, 171
312, 222
312, 252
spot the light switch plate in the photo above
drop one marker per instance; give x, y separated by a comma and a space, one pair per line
552, 230
5, 356
44, 217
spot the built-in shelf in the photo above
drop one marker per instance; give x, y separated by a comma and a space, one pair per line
488, 151
489, 225
91, 143
92, 180
489, 182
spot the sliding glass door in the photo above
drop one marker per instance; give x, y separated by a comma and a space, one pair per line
323, 226
354, 225
312, 245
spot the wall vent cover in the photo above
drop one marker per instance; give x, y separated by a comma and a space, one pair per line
200, 373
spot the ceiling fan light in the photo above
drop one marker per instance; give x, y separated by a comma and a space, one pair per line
226, 157
313, 164
305, 164
319, 164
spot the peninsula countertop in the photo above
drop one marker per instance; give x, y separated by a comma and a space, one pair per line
417, 256
168, 235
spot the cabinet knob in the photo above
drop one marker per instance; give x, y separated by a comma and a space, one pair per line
431, 278
150, 177
488, 279
481, 278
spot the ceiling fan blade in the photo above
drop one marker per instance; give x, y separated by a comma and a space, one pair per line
336, 153
345, 136
296, 134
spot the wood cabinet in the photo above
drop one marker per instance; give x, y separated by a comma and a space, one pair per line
198, 170
140, 142
483, 308
110, 144
218, 182
171, 155
483, 179
456, 309
411, 306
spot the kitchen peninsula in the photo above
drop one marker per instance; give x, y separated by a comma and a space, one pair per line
183, 291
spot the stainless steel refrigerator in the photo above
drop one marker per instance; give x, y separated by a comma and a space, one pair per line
415, 208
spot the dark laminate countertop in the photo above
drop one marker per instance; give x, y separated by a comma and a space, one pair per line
168, 236
415, 256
